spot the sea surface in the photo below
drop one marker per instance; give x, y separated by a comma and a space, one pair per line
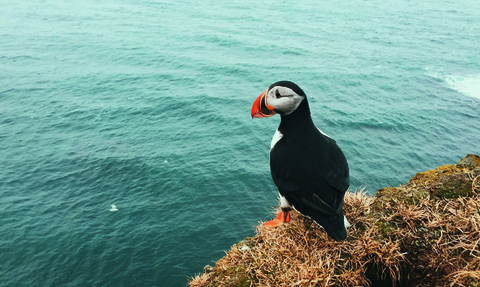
145, 105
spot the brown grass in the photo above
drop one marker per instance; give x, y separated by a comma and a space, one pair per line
426, 242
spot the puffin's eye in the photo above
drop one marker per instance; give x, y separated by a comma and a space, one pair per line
277, 94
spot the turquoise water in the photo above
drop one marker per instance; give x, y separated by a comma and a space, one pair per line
146, 105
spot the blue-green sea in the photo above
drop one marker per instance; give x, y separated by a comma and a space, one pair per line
145, 105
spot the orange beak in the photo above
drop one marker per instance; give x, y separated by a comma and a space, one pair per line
260, 108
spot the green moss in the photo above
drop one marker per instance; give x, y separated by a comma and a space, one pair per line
405, 194
429, 176
452, 186
448, 181
238, 276
456, 187
386, 227
360, 226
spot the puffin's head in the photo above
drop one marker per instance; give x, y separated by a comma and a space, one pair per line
282, 98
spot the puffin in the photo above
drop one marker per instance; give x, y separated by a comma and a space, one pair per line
307, 166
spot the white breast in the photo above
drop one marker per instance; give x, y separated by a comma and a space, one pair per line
276, 137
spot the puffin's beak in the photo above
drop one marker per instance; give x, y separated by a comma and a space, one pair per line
260, 108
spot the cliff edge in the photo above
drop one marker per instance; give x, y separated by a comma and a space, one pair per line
425, 232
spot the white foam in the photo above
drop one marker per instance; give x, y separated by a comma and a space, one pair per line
468, 85
114, 208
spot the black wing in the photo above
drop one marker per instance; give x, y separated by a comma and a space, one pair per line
309, 164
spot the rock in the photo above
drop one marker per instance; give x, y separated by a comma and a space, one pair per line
422, 233
207, 269
471, 161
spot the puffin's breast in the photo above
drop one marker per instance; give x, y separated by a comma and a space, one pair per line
276, 137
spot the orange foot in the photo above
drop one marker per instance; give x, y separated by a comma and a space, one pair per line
281, 218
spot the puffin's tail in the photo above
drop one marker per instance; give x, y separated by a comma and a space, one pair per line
331, 219
335, 226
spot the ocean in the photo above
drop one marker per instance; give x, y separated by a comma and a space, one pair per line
145, 105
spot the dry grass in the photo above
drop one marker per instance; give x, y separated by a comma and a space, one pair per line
427, 242
200, 280
301, 254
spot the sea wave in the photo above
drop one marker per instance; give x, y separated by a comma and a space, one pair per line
468, 85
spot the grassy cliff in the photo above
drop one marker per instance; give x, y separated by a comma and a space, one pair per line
423, 233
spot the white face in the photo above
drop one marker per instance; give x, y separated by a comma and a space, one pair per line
283, 99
